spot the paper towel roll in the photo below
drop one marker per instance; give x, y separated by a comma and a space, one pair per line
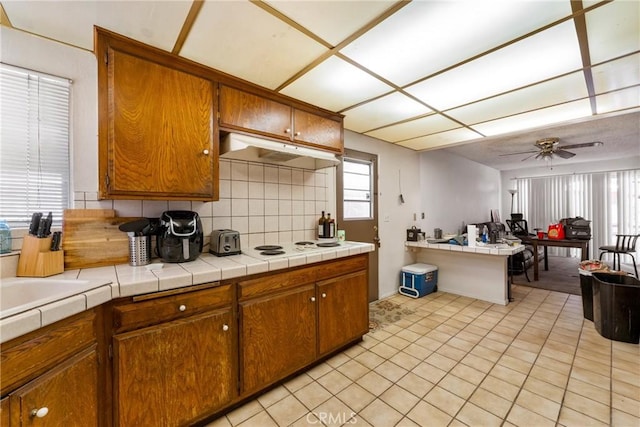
471, 235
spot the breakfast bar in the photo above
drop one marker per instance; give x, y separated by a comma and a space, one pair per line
478, 272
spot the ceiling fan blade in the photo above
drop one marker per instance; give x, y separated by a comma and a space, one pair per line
583, 145
529, 156
564, 154
520, 152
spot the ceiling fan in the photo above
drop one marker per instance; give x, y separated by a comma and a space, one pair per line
547, 148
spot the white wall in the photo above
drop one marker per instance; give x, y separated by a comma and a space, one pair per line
456, 190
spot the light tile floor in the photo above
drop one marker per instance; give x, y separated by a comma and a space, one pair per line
459, 361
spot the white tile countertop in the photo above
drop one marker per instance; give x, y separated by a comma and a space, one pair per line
29, 303
500, 249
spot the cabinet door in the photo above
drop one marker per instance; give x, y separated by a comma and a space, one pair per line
174, 373
5, 415
160, 131
278, 336
343, 313
253, 113
311, 129
65, 396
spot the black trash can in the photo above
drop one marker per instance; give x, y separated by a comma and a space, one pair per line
586, 282
616, 306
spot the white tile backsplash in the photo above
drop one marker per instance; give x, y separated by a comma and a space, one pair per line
239, 189
256, 172
256, 190
271, 174
267, 204
239, 207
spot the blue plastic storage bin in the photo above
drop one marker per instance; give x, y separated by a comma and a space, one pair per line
418, 280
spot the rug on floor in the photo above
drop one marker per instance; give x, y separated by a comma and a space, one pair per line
562, 276
383, 313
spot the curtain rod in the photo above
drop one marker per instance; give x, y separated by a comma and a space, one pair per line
574, 173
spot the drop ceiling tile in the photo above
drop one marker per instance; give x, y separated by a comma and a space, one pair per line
556, 91
391, 108
335, 84
333, 21
440, 140
428, 36
243, 40
617, 74
613, 30
425, 126
533, 119
618, 100
155, 23
539, 57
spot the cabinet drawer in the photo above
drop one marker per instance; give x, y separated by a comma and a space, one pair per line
275, 282
343, 266
28, 357
165, 308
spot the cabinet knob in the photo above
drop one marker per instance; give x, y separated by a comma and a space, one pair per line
225, 327
205, 152
312, 299
182, 307
324, 295
39, 413
297, 134
287, 130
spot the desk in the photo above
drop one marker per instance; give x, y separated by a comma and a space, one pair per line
563, 243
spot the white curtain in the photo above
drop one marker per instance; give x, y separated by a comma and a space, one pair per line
610, 200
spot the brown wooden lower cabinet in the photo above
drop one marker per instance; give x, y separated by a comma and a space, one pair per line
173, 373
277, 336
289, 320
343, 312
51, 376
65, 396
181, 356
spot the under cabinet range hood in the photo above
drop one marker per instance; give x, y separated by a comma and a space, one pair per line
244, 147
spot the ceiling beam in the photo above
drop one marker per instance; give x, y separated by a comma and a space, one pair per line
187, 25
580, 23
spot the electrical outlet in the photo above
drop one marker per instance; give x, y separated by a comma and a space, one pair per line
422, 215
415, 217
386, 218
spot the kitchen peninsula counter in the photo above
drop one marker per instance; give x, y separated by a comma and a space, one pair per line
123, 280
478, 272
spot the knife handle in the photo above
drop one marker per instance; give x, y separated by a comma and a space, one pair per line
55, 241
41, 228
47, 225
35, 223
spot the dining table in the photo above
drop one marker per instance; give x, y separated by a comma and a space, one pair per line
534, 241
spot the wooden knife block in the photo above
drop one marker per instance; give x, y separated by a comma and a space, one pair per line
37, 259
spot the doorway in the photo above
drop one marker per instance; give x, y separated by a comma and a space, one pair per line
357, 205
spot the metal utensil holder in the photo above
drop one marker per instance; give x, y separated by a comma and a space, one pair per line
139, 250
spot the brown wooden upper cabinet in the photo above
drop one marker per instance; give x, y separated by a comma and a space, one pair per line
157, 133
241, 110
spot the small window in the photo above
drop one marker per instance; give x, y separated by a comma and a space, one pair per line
34, 145
357, 200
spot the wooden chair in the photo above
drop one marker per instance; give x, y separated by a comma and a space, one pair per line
625, 245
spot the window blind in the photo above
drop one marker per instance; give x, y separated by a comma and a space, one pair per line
610, 200
34, 145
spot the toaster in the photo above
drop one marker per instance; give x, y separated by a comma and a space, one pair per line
225, 242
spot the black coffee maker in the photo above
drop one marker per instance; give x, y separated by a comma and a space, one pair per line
180, 237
